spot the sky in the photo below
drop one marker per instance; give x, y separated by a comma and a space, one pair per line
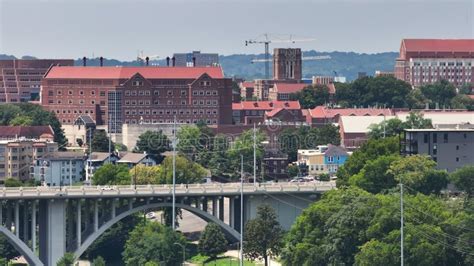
121, 28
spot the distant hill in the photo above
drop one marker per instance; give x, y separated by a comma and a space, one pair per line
346, 64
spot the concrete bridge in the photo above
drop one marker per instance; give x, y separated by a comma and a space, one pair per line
51, 221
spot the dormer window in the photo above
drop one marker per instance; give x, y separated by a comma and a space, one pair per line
137, 83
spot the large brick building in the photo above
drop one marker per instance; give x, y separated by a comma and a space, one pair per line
425, 61
20, 79
114, 96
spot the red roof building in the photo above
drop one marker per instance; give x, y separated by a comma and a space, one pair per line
26, 132
322, 115
115, 96
282, 91
249, 112
425, 61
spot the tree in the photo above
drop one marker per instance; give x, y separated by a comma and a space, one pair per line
324, 177
11, 182
67, 260
219, 160
440, 93
374, 177
415, 120
100, 142
394, 126
264, 235
418, 173
99, 261
370, 150
7, 251
153, 143
293, 170
463, 178
212, 241
243, 145
144, 175
187, 172
461, 101
112, 174
311, 96
153, 242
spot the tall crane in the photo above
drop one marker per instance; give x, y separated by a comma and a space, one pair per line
267, 39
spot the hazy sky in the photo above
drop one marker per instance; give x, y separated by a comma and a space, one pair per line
119, 28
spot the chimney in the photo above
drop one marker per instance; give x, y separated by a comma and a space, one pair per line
101, 61
168, 61
194, 61
173, 60
84, 60
147, 59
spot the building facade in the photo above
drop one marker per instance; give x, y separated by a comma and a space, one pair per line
20, 79
59, 168
114, 96
287, 64
426, 61
250, 112
451, 148
196, 58
325, 159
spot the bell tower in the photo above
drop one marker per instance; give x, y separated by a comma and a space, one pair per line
287, 64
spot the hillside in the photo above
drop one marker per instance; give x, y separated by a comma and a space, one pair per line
346, 64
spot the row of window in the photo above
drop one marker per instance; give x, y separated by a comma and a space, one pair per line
71, 92
81, 101
170, 93
174, 112
442, 64
69, 111
181, 121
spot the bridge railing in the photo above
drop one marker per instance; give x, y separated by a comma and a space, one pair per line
181, 189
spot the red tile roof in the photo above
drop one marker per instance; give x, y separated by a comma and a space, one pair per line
438, 45
247, 84
273, 112
266, 105
31, 132
324, 112
150, 72
289, 87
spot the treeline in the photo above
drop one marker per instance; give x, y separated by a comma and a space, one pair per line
388, 92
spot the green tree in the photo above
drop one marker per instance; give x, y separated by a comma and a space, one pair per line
418, 173
112, 174
11, 182
219, 160
324, 177
243, 145
264, 235
212, 241
153, 143
461, 101
370, 150
67, 260
416, 99
100, 142
463, 178
415, 120
389, 128
7, 251
311, 96
21, 120
153, 242
144, 175
374, 176
293, 170
187, 172
439, 93
99, 261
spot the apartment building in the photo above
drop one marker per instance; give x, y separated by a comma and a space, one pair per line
325, 159
250, 112
59, 168
20, 79
451, 148
426, 61
113, 96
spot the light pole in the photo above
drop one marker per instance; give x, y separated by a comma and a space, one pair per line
173, 217
184, 251
241, 209
254, 156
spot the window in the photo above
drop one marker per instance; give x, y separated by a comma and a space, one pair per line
425, 138
457, 147
102, 93
156, 92
170, 93
457, 159
183, 93
137, 83
60, 92
50, 93
92, 92
445, 137
435, 138
170, 102
81, 92
141, 93
70, 92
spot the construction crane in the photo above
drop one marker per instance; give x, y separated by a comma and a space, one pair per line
266, 41
304, 58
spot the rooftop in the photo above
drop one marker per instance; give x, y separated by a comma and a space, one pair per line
65, 155
131, 157
121, 72
360, 124
266, 105
289, 87
31, 132
325, 112
441, 130
438, 45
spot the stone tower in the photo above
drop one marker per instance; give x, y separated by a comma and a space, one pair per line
287, 64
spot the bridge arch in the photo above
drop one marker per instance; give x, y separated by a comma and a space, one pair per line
200, 213
21, 247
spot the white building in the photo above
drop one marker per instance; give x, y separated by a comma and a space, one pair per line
59, 168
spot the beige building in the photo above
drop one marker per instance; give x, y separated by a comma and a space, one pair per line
17, 156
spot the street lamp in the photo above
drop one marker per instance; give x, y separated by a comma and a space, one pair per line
184, 251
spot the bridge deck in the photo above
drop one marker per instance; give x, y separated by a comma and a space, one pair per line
213, 189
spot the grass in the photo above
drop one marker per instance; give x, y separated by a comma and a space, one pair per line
221, 261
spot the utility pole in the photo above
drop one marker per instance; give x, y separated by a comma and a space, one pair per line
401, 222
173, 222
241, 210
254, 156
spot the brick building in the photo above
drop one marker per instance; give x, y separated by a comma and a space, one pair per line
250, 112
425, 61
114, 96
20, 79
322, 115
